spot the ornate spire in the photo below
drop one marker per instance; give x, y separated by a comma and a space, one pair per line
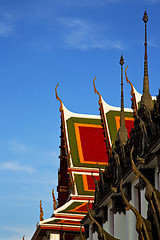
122, 132
146, 97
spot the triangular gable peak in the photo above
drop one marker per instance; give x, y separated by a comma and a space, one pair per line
110, 116
87, 151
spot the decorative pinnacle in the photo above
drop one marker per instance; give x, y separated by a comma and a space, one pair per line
122, 120
145, 17
146, 97
122, 132
121, 62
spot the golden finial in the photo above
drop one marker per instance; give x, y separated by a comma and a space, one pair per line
24, 237
61, 104
132, 92
41, 211
95, 90
54, 200
37, 225
132, 88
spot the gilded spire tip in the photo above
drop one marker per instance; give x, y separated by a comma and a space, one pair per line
145, 17
122, 132
121, 62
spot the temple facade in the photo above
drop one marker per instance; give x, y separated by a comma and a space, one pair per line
108, 180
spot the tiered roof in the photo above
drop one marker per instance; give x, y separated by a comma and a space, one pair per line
86, 141
85, 148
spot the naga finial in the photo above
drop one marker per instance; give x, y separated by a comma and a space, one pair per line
140, 222
95, 90
132, 93
41, 211
61, 104
54, 200
102, 234
81, 234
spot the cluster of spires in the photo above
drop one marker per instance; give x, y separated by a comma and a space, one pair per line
146, 99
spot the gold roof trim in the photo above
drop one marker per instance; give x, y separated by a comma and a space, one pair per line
152, 195
95, 90
101, 232
81, 234
61, 104
140, 221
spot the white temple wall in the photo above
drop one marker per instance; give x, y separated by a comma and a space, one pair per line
107, 225
95, 236
90, 232
157, 178
131, 233
54, 236
144, 204
120, 226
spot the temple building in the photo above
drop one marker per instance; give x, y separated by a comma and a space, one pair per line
108, 180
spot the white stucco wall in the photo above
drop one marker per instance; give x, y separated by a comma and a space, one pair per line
120, 226
54, 236
144, 204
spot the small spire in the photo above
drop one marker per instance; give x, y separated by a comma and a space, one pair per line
122, 132
146, 97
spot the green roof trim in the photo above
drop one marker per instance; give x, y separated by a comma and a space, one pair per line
80, 186
73, 206
112, 122
73, 141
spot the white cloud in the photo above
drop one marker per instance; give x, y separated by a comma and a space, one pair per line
18, 147
81, 34
5, 29
14, 166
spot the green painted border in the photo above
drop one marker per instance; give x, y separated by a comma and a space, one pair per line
73, 141
72, 206
80, 186
112, 122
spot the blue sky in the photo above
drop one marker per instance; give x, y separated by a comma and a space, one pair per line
45, 42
